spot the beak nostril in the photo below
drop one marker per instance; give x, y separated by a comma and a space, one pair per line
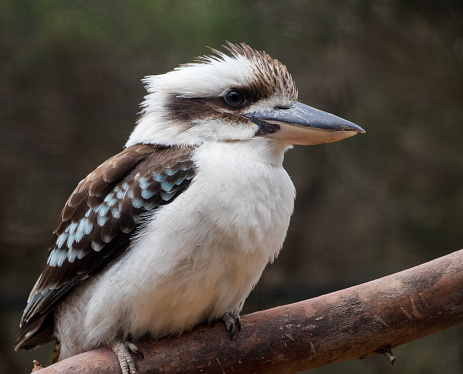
282, 107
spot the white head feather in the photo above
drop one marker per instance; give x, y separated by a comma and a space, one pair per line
212, 77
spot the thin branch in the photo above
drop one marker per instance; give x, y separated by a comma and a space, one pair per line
352, 323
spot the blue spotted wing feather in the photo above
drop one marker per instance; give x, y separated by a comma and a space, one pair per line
98, 222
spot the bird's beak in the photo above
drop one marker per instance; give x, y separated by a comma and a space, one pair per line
304, 125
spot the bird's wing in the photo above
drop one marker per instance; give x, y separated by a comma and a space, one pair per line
99, 219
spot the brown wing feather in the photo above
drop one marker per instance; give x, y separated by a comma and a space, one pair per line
98, 221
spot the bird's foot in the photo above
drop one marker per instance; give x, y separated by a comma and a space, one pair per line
121, 348
231, 320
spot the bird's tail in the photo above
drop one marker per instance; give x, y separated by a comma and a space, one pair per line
37, 331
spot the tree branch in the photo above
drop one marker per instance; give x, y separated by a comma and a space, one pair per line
352, 323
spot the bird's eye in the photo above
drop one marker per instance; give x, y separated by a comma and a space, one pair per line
236, 99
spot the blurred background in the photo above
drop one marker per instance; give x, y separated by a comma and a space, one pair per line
366, 207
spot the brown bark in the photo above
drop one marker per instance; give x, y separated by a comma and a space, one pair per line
352, 323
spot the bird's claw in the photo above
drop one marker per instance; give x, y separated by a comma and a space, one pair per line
231, 321
134, 349
121, 349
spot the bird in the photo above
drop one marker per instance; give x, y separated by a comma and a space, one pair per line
177, 228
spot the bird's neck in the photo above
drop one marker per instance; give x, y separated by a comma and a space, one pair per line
257, 150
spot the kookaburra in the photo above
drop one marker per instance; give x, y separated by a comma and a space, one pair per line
177, 228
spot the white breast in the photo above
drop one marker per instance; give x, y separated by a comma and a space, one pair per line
197, 257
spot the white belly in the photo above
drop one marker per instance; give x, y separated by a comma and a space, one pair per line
197, 258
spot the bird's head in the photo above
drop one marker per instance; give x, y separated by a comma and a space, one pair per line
238, 96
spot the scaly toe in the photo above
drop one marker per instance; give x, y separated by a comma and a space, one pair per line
134, 349
231, 321
121, 349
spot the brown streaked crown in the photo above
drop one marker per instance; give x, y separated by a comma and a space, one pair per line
271, 75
